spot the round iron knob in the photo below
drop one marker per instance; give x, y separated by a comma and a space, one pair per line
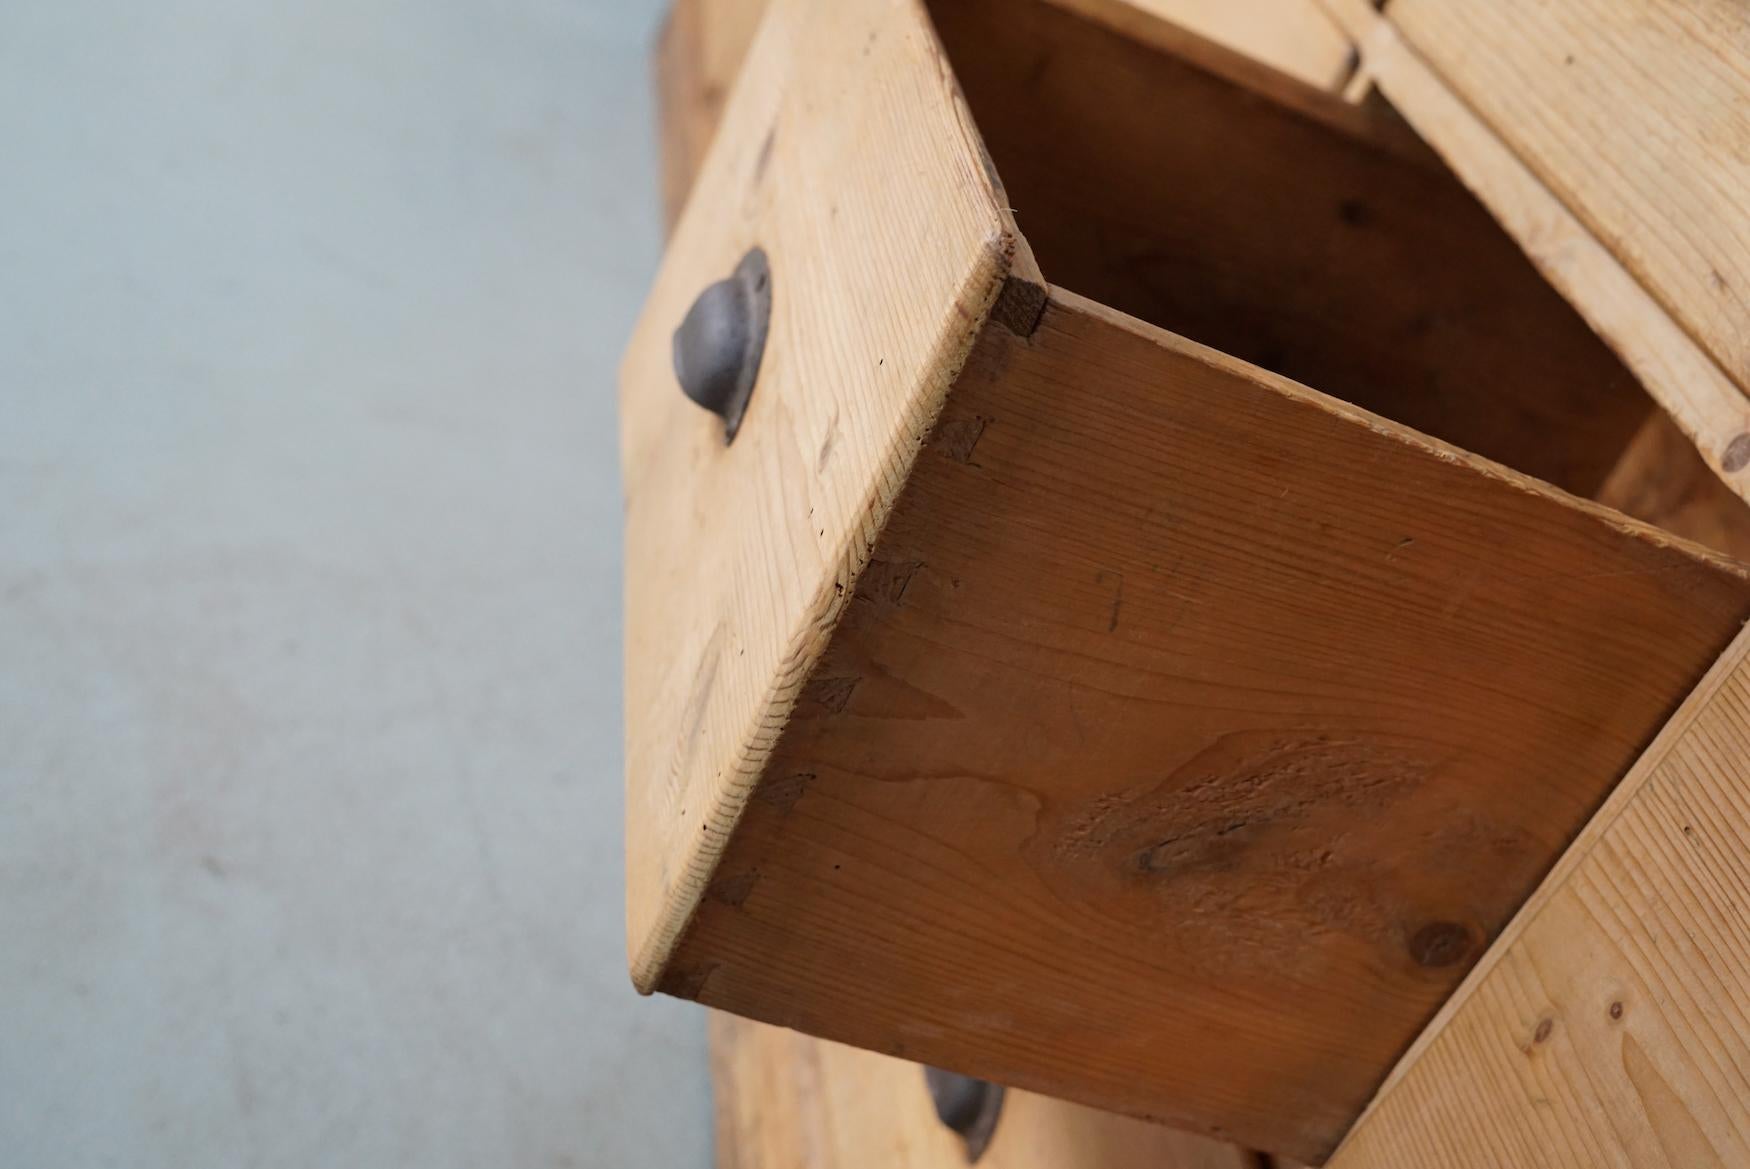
967, 1106
718, 347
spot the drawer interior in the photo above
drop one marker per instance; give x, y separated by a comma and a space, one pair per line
1195, 189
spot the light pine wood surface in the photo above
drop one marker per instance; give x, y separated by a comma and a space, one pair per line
789, 1101
1680, 373
1608, 1026
888, 244
1150, 694
1636, 115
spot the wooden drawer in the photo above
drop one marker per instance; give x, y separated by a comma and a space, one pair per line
786, 1101
1038, 692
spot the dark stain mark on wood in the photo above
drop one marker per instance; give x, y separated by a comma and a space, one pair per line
825, 696
1544, 1028
1616, 1010
885, 581
1248, 847
1019, 306
732, 891
827, 443
1440, 944
688, 983
1220, 849
1245, 778
765, 155
958, 436
1116, 581
782, 794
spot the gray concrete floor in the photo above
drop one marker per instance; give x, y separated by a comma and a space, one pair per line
309, 603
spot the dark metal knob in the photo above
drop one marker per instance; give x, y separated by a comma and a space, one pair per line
967, 1106
718, 346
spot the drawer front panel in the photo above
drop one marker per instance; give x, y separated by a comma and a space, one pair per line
847, 155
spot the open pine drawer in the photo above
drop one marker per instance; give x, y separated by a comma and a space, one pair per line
1034, 691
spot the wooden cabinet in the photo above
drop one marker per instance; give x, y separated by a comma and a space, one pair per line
1146, 636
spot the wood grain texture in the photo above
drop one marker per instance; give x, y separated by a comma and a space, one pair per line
1290, 232
1187, 736
698, 56
1608, 1027
1680, 374
1636, 115
788, 1101
889, 244
930, 753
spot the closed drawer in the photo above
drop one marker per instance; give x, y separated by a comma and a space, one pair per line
786, 1101
1043, 685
